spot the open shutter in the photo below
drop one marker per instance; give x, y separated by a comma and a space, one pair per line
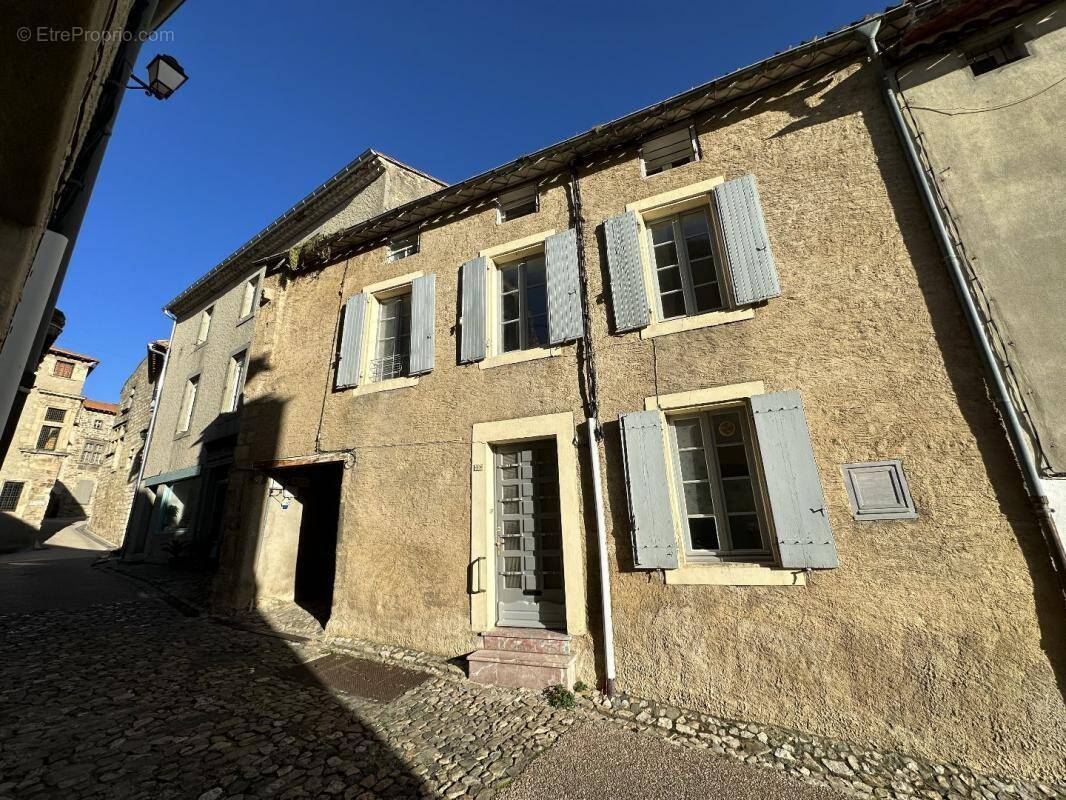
747, 244
804, 538
472, 321
351, 350
423, 323
622, 237
565, 323
650, 511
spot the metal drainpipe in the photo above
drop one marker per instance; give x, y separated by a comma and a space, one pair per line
601, 541
156, 395
1001, 394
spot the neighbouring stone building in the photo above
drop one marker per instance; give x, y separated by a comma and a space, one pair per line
53, 464
124, 454
707, 356
190, 449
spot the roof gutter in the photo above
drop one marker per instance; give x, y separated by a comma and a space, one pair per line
1001, 393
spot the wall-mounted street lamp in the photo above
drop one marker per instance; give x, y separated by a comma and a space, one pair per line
165, 76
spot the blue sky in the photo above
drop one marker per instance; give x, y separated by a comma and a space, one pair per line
282, 94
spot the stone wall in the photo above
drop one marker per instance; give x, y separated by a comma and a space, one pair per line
118, 476
938, 636
79, 476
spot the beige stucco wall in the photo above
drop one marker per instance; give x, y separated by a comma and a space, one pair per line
1001, 173
939, 636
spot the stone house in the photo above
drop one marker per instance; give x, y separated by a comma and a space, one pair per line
51, 467
190, 446
685, 406
124, 454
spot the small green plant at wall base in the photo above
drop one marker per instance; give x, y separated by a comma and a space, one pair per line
581, 686
559, 696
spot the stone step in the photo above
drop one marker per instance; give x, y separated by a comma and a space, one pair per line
526, 640
521, 670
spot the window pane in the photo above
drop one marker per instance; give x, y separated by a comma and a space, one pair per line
699, 247
536, 299
702, 271
535, 272
663, 232
708, 297
669, 280
698, 499
510, 307
511, 338
703, 532
673, 305
744, 531
693, 465
509, 279
733, 461
726, 428
538, 331
688, 433
694, 225
738, 495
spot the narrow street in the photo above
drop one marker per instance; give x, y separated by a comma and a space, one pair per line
108, 691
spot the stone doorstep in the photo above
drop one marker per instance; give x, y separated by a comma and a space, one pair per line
527, 640
521, 670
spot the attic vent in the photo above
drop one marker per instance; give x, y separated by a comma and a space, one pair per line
995, 54
517, 202
403, 245
668, 151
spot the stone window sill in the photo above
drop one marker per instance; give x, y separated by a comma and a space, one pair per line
244, 319
518, 356
734, 575
708, 320
385, 386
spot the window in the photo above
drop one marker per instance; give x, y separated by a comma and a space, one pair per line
392, 354
402, 245
248, 298
517, 203
668, 151
687, 273
93, 453
878, 490
63, 369
523, 304
48, 438
55, 415
98, 424
993, 55
719, 497
188, 401
10, 494
205, 321
231, 396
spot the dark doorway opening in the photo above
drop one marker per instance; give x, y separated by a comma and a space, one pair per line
318, 489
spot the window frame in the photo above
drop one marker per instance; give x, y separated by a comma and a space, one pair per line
375, 293
378, 302
253, 281
50, 417
190, 391
399, 253
203, 330
1014, 47
233, 388
100, 452
694, 144
5, 493
684, 265
766, 555
42, 441
66, 364
520, 262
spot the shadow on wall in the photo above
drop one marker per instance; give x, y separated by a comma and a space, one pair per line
64, 503
15, 534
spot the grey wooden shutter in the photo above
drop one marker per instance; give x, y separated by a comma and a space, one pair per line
565, 322
622, 237
804, 538
650, 505
349, 360
472, 321
747, 244
423, 323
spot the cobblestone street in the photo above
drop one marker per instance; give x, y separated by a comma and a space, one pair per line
127, 695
